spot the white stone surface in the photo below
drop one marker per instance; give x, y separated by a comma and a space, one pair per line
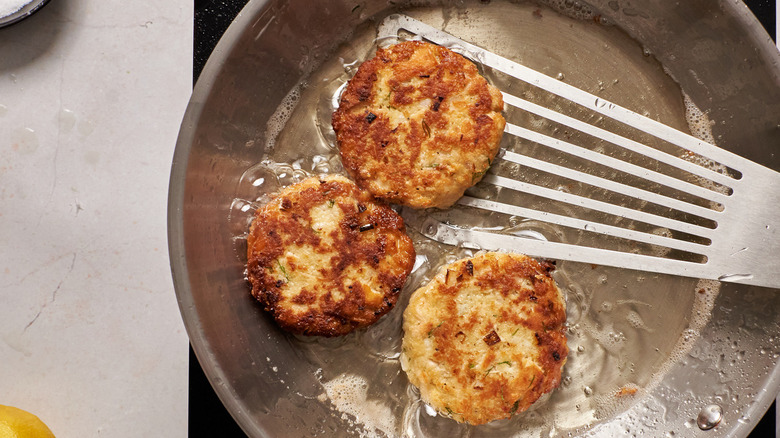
92, 93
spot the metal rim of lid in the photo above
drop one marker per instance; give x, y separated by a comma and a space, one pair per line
26, 10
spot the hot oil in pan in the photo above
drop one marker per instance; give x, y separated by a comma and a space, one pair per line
625, 328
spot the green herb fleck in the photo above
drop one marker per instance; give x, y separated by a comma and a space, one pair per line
489, 370
426, 129
284, 271
516, 330
506, 362
450, 412
477, 175
430, 332
472, 364
515, 406
532, 381
331, 202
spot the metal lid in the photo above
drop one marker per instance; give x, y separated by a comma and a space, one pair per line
20, 14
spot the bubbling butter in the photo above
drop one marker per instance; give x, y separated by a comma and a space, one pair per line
349, 395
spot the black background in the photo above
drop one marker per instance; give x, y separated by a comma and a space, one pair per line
207, 416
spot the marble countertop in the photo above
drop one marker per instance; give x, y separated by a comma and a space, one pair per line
92, 93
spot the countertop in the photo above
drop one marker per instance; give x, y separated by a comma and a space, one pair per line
92, 93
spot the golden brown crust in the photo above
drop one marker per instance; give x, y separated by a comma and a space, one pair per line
417, 125
325, 259
486, 337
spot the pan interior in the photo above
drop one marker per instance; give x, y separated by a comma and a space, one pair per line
624, 327
260, 120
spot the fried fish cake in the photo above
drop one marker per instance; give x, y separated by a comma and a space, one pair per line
417, 125
485, 338
325, 259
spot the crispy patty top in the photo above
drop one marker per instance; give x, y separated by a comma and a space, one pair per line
417, 125
485, 338
325, 259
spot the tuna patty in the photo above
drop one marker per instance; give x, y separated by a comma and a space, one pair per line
417, 125
485, 338
325, 259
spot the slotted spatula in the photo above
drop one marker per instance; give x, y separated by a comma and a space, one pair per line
719, 225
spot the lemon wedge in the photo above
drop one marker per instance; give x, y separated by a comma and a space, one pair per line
18, 423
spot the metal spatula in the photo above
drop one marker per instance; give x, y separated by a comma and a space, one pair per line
649, 208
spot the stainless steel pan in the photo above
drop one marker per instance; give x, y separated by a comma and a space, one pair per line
649, 353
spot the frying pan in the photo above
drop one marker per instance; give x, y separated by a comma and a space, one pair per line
686, 347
